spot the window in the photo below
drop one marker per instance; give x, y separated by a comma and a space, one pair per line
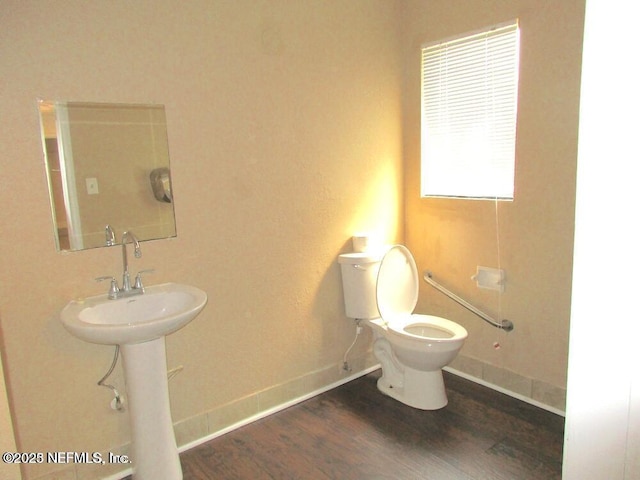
469, 108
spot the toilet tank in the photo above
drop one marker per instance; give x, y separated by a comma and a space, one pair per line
359, 276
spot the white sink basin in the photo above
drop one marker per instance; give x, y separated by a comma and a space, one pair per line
161, 310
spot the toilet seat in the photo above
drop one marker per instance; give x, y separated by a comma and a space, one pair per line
397, 295
397, 285
427, 327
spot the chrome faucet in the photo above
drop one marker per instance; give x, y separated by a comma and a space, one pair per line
126, 280
127, 289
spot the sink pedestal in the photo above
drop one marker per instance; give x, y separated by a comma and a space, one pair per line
155, 454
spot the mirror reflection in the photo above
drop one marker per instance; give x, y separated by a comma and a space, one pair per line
108, 170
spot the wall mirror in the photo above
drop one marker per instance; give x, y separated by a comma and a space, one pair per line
108, 168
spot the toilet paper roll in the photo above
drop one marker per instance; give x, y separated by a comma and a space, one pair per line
364, 242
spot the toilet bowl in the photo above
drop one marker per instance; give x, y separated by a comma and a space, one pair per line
382, 290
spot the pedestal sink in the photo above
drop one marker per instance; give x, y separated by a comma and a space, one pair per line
139, 324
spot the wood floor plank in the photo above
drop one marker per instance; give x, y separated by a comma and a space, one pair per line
363, 450
442, 436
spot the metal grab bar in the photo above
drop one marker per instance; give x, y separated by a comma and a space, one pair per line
506, 325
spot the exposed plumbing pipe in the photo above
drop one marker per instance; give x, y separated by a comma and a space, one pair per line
345, 364
117, 403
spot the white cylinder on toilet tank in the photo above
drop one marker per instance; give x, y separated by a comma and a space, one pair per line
365, 242
359, 276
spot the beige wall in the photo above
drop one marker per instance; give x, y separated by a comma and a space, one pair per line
531, 238
284, 123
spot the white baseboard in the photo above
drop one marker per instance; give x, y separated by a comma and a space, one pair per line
497, 388
276, 409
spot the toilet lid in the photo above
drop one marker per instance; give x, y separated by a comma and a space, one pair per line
397, 284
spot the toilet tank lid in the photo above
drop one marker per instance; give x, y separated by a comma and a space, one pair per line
359, 258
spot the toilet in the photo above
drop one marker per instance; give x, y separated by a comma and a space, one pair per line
381, 290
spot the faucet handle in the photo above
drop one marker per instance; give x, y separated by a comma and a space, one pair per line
113, 289
138, 282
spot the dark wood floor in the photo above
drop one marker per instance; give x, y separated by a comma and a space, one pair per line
355, 432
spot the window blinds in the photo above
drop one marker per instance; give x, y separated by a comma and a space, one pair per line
469, 108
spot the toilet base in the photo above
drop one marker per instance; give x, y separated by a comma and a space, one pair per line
418, 389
